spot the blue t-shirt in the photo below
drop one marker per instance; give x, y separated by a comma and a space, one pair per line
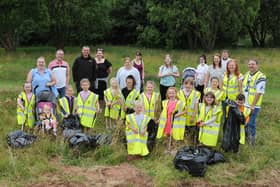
168, 80
39, 81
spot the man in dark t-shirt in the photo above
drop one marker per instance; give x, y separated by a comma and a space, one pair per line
84, 67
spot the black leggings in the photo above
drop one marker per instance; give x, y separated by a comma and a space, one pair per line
163, 90
200, 88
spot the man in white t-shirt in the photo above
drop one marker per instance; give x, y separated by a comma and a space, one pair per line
60, 70
201, 71
225, 59
253, 88
127, 70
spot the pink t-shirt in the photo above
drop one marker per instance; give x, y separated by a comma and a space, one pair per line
171, 105
148, 96
29, 95
84, 95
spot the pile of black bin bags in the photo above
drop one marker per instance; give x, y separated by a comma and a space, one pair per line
20, 139
195, 160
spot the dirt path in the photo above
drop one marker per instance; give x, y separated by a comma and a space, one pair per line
121, 175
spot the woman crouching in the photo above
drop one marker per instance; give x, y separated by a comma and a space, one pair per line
136, 132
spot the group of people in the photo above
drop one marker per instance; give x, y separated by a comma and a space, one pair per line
195, 112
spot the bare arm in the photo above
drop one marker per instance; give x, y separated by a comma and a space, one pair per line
206, 79
143, 72
29, 77
67, 75
53, 81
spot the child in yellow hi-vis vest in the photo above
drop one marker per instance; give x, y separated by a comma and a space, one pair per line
172, 120
87, 105
209, 121
219, 94
190, 97
136, 132
237, 116
25, 107
114, 101
151, 100
130, 95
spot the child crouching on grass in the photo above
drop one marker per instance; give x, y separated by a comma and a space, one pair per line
87, 106
136, 132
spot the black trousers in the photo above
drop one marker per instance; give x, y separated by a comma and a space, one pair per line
200, 88
163, 90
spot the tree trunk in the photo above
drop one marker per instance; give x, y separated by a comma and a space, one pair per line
8, 42
253, 38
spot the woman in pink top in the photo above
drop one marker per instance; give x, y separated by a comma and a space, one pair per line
138, 63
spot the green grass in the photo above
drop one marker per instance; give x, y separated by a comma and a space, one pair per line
24, 166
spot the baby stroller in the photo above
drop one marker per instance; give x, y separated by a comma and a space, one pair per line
188, 72
42, 99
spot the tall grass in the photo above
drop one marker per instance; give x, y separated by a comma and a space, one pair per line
25, 166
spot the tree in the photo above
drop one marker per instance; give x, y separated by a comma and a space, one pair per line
19, 19
126, 16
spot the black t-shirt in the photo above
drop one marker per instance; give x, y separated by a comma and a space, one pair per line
125, 92
102, 69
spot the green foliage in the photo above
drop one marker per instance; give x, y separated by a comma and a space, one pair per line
188, 24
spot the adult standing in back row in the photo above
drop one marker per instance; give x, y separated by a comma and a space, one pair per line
127, 70
84, 67
138, 63
103, 70
253, 88
167, 74
60, 70
215, 70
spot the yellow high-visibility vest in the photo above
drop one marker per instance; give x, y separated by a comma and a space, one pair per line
231, 86
150, 105
189, 105
219, 95
87, 110
26, 117
136, 143
250, 87
208, 135
246, 112
178, 129
129, 101
115, 110
64, 104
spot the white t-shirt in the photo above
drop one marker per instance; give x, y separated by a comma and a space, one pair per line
123, 73
201, 70
224, 64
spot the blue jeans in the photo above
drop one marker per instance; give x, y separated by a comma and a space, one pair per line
61, 91
251, 126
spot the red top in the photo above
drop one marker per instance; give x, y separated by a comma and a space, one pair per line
170, 109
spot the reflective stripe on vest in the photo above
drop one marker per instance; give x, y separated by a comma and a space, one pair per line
149, 105
208, 134
249, 86
64, 104
26, 117
132, 96
231, 85
178, 124
87, 110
